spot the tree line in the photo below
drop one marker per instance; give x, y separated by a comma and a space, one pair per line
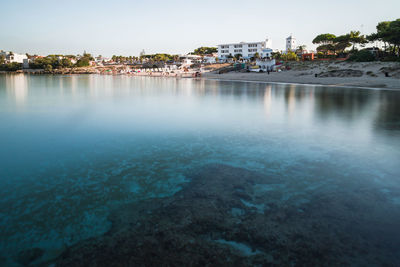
204, 50
388, 32
50, 62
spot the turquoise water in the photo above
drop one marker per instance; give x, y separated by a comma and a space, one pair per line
77, 153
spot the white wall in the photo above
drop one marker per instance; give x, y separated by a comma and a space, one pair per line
247, 50
16, 58
264, 64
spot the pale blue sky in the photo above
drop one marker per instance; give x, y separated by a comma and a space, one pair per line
176, 26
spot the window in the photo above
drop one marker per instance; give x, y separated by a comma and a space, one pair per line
238, 46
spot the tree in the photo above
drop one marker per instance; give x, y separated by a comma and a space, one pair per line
341, 43
326, 38
14, 66
48, 67
325, 42
389, 33
300, 49
276, 55
289, 56
88, 56
204, 50
66, 63
83, 62
2, 59
326, 48
355, 37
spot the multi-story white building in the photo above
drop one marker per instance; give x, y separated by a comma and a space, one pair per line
11, 57
290, 43
247, 50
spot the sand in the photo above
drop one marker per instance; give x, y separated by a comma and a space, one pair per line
372, 74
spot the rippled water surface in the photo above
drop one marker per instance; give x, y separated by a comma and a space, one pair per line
134, 170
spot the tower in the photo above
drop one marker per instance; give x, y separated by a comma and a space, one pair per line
268, 43
290, 43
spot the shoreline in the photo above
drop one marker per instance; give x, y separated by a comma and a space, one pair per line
333, 74
303, 83
338, 74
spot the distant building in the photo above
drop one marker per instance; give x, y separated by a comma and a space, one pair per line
266, 53
247, 50
290, 43
142, 53
266, 64
209, 59
11, 57
189, 59
25, 63
308, 56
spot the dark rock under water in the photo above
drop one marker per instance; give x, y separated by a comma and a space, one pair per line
228, 216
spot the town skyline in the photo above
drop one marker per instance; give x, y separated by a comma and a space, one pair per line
125, 28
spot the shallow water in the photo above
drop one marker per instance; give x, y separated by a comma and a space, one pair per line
82, 155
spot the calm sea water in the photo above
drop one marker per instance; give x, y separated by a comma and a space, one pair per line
284, 174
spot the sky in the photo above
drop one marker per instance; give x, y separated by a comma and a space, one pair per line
123, 27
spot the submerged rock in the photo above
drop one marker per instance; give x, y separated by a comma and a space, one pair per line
27, 257
216, 220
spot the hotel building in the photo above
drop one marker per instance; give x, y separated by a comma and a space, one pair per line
247, 50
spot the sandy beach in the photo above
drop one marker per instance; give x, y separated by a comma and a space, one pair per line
371, 74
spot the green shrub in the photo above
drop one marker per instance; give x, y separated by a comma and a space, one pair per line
362, 56
11, 66
391, 58
83, 62
321, 55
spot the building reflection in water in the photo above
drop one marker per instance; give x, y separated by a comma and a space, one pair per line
17, 85
267, 100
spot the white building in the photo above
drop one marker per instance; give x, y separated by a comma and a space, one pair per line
266, 64
247, 50
11, 57
208, 59
290, 43
188, 60
266, 53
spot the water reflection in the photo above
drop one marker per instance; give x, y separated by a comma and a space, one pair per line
75, 149
388, 111
17, 87
377, 108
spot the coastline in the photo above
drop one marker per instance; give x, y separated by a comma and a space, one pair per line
369, 75
356, 83
361, 75
305, 83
